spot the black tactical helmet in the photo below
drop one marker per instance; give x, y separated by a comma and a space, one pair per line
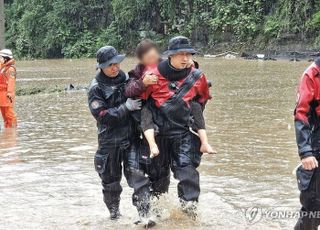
108, 55
179, 44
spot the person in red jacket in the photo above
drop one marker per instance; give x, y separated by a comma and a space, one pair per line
7, 88
307, 127
178, 85
148, 55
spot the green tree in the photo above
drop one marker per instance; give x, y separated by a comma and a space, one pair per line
58, 28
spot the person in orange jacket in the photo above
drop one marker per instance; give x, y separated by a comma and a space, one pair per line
7, 88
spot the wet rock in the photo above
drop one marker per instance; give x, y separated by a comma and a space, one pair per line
258, 56
226, 55
230, 56
244, 55
251, 57
261, 56
316, 54
270, 59
71, 87
294, 59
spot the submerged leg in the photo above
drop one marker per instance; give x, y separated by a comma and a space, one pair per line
108, 165
136, 178
185, 159
310, 201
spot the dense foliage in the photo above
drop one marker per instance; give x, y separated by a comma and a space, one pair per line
59, 28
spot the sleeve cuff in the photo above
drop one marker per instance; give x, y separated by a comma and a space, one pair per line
123, 108
305, 154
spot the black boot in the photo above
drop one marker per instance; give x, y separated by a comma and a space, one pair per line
146, 224
111, 197
190, 208
114, 212
145, 219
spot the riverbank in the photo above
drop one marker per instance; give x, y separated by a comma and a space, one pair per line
273, 50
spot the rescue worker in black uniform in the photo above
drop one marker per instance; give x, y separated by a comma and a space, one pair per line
307, 126
169, 101
116, 130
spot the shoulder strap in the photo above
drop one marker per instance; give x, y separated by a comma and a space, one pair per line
186, 85
189, 82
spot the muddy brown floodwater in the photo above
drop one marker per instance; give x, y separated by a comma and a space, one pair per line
47, 178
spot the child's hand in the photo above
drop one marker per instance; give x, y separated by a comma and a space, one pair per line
150, 79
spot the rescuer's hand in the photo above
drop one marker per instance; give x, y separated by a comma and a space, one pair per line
309, 163
133, 104
150, 79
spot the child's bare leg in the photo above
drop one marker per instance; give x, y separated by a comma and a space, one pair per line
154, 150
147, 126
205, 146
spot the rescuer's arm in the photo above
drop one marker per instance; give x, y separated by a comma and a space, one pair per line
134, 88
135, 85
203, 94
11, 73
105, 114
197, 107
305, 97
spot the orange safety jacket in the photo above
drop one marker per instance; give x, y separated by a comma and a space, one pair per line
7, 83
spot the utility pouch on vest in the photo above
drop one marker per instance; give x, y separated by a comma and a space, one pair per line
304, 178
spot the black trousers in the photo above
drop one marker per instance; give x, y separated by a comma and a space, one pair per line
310, 201
185, 157
108, 163
148, 177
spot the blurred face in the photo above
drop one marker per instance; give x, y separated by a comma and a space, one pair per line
181, 60
112, 70
150, 58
